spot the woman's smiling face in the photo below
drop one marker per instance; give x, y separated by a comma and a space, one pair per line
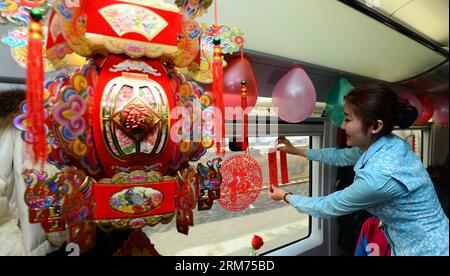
353, 126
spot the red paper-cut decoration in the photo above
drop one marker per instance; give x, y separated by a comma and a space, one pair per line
241, 182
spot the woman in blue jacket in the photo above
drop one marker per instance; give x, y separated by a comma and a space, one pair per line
391, 182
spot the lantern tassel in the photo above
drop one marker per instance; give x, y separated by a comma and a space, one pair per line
218, 86
244, 103
35, 89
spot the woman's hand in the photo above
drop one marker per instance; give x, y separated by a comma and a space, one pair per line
277, 194
289, 148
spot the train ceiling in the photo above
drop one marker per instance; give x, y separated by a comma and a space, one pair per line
332, 34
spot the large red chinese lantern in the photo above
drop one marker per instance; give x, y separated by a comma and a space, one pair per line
109, 126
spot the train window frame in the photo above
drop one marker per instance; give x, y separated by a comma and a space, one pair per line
306, 130
425, 146
323, 233
315, 128
309, 129
314, 131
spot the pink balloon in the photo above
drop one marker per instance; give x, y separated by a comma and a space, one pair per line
413, 100
294, 96
232, 81
441, 110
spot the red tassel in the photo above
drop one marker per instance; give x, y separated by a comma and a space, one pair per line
244, 103
218, 87
35, 89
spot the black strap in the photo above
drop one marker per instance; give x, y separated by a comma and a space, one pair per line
387, 250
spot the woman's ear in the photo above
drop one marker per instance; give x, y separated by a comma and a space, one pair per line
377, 127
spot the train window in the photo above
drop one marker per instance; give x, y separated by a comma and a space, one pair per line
219, 232
413, 138
6, 86
418, 139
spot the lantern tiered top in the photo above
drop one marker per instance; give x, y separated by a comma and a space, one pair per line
136, 28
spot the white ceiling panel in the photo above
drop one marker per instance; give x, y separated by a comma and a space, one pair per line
387, 6
428, 17
327, 33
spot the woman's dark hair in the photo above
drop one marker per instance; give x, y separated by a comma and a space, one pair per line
378, 102
10, 100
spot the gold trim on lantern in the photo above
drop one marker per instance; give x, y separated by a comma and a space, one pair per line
136, 81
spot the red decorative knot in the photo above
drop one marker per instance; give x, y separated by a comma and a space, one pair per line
137, 120
217, 53
217, 49
241, 182
239, 40
244, 88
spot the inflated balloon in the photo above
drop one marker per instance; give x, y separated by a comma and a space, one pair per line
428, 109
412, 99
441, 110
335, 103
294, 96
232, 81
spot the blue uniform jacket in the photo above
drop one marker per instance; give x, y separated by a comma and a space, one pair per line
393, 185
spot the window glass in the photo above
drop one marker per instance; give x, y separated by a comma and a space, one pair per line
219, 232
413, 138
